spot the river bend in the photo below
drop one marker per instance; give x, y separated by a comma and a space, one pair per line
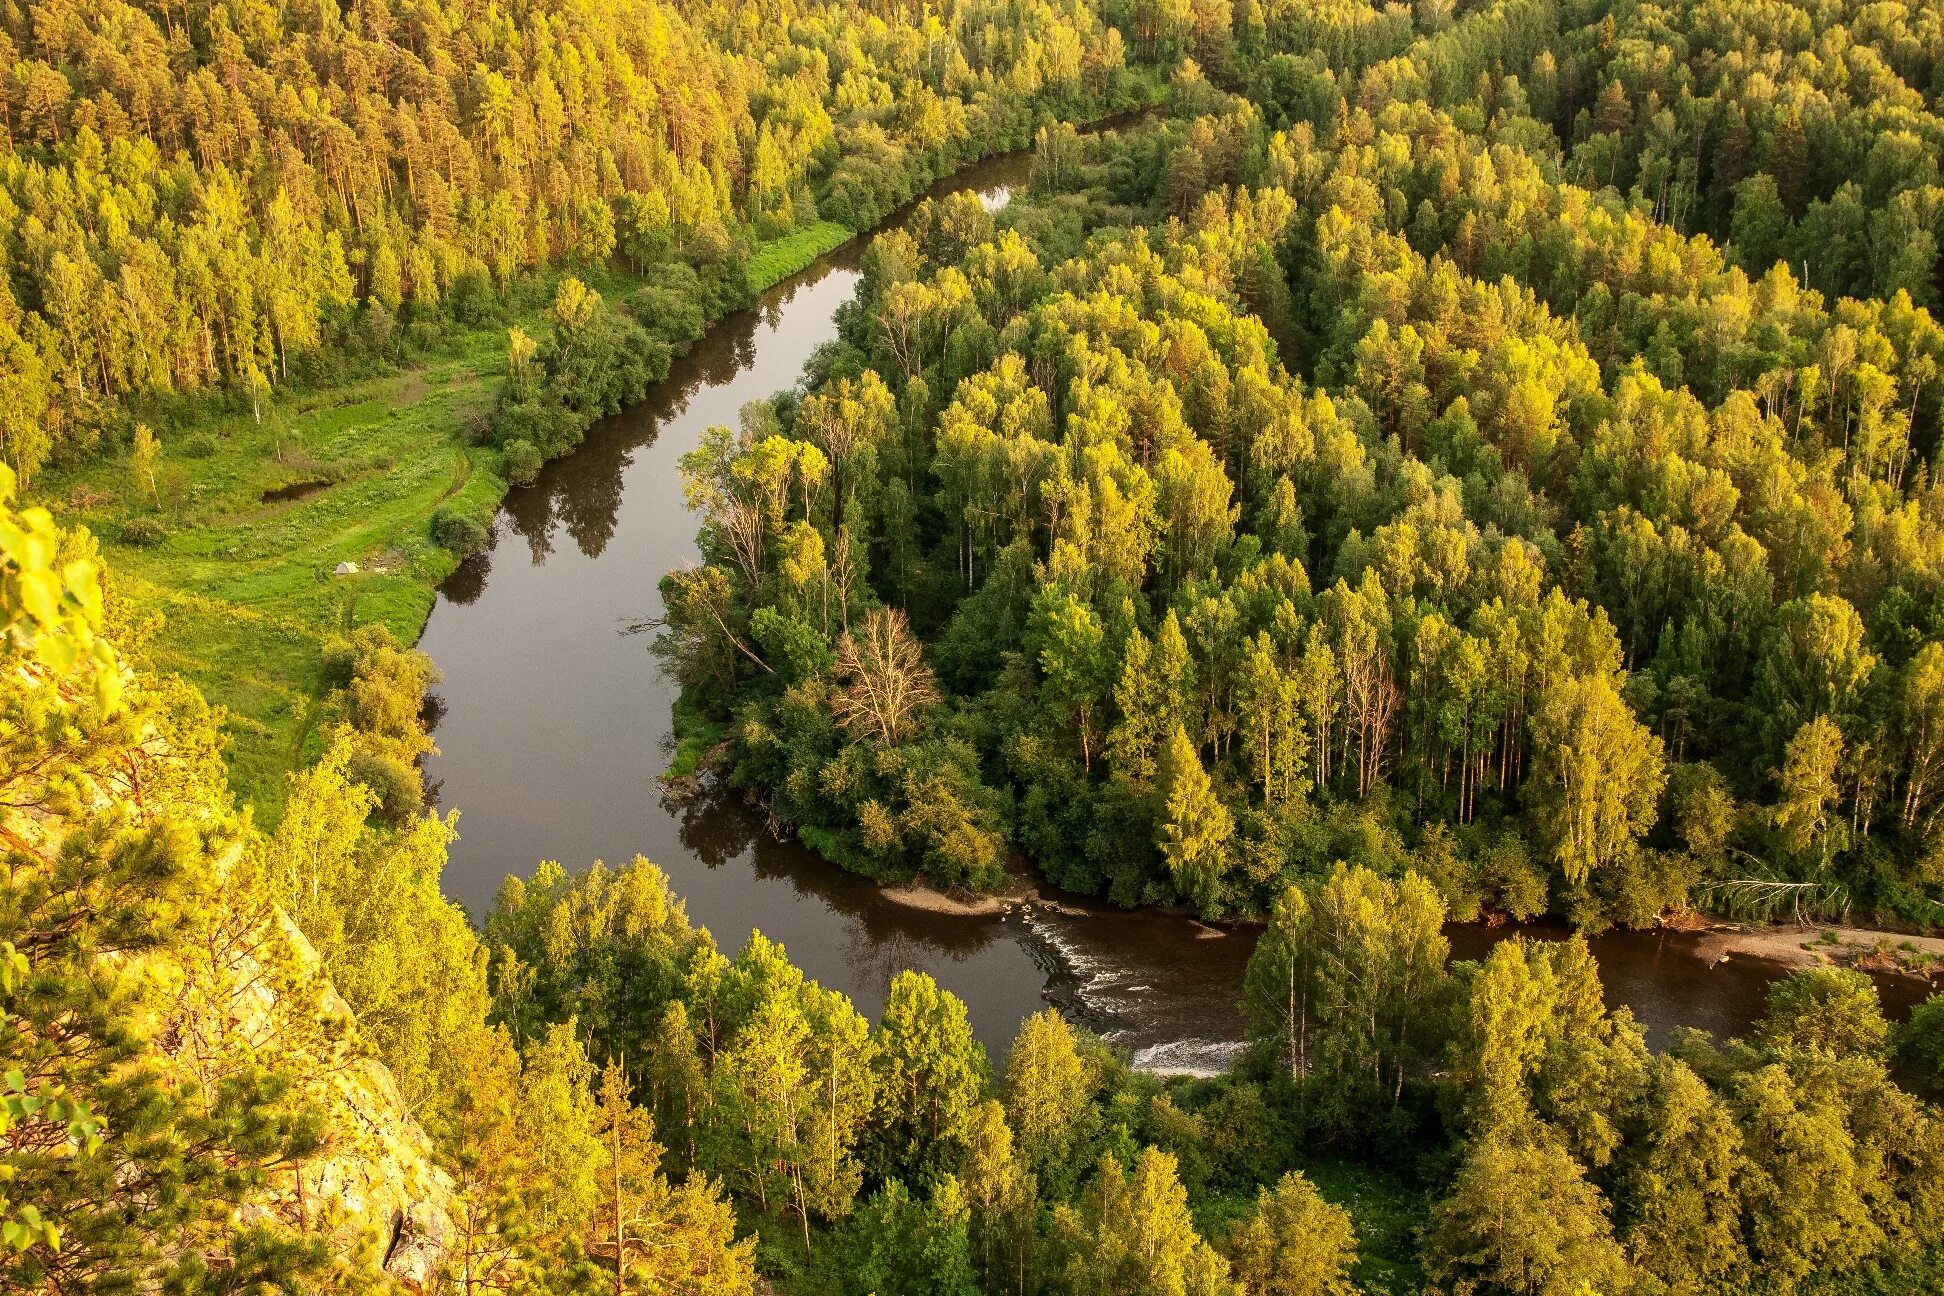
554, 721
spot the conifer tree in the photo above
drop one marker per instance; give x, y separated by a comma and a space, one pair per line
657, 1238
119, 1169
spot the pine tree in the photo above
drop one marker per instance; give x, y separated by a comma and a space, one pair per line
119, 1169
654, 1238
630, 1180
1788, 162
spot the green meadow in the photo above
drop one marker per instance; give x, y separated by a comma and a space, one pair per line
783, 257
237, 544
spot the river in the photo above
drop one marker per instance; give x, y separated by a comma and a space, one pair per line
554, 722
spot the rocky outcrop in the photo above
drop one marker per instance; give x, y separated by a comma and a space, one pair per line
381, 1181
372, 1189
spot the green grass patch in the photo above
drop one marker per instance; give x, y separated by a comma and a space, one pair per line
1386, 1210
237, 544
780, 258
237, 541
695, 736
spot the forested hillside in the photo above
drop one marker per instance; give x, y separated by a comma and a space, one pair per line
264, 267
232, 195
1409, 455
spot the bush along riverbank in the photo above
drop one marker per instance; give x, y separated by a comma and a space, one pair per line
263, 530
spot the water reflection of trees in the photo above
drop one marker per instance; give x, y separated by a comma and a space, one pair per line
719, 828
531, 512
591, 502
582, 492
468, 580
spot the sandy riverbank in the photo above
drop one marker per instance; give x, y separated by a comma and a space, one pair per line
1921, 957
962, 904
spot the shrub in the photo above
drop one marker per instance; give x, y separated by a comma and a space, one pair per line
398, 787
340, 661
380, 329
143, 531
546, 426
423, 334
463, 535
476, 426
602, 365
472, 299
197, 446
523, 462
1920, 1043
673, 315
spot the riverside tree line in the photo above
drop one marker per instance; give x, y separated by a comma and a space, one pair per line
215, 200
1405, 481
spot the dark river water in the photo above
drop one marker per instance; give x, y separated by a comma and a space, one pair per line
554, 723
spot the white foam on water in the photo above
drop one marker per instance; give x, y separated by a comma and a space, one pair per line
1103, 987
1115, 1000
1190, 1057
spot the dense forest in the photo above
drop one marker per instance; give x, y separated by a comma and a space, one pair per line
1443, 461
235, 196
1334, 473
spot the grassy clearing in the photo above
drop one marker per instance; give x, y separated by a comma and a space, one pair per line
243, 580
696, 736
244, 583
781, 258
1387, 1210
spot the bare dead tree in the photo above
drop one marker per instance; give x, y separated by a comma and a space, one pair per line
886, 681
